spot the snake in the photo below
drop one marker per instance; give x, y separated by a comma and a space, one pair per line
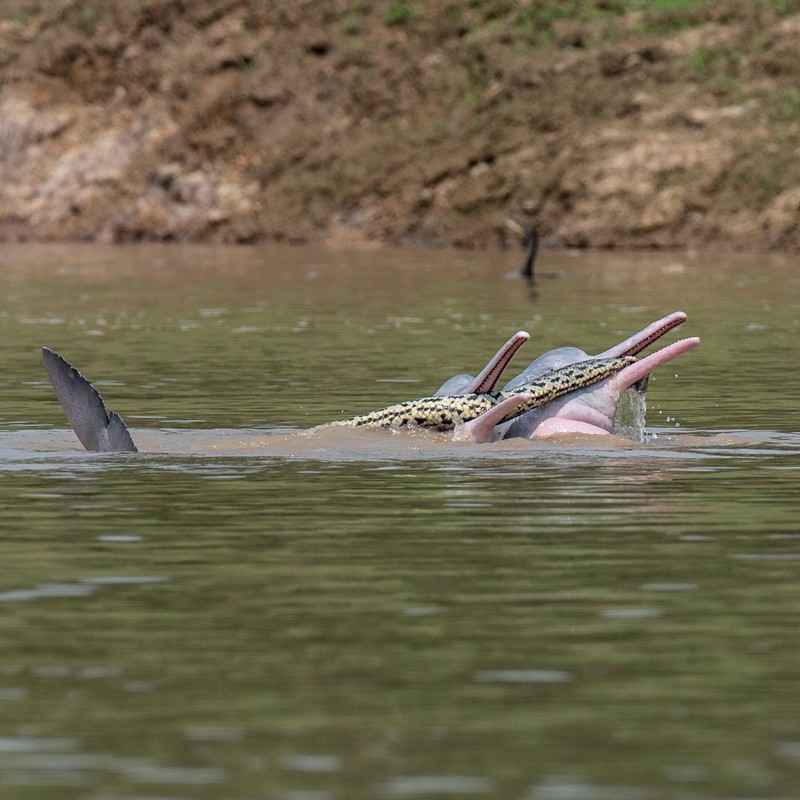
446, 412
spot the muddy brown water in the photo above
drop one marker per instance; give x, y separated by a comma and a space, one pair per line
243, 610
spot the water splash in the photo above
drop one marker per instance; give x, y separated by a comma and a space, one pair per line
630, 419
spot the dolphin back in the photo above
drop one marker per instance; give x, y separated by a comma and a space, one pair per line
547, 362
97, 430
458, 384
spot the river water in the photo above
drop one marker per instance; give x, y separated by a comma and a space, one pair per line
242, 612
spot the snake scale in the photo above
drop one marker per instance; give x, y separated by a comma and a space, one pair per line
444, 413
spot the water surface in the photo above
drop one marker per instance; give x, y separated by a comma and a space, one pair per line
242, 610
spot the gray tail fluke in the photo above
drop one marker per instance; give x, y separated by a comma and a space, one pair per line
97, 430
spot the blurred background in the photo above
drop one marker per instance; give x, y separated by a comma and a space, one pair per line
607, 123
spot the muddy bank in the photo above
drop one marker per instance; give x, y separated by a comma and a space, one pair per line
231, 121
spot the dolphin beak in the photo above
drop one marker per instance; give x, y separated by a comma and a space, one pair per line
487, 380
637, 374
644, 338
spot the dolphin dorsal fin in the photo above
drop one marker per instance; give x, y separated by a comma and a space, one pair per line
97, 430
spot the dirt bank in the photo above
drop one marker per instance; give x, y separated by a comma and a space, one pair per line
675, 124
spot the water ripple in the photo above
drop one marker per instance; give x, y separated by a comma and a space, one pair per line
410, 785
47, 590
522, 676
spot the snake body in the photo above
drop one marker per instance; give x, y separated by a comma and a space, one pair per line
444, 413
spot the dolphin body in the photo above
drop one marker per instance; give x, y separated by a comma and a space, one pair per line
590, 410
447, 412
478, 412
591, 387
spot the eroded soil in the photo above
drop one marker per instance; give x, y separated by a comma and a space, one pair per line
674, 125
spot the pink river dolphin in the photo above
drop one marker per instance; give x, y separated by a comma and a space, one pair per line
588, 410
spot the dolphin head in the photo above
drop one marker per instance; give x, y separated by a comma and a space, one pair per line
487, 379
592, 410
588, 410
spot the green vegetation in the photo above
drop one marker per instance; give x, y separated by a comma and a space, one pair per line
664, 5
787, 106
472, 95
758, 177
399, 13
352, 23
435, 128
655, 16
705, 57
244, 64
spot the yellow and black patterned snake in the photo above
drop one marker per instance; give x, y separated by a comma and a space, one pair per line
444, 413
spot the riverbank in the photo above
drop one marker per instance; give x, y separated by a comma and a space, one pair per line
403, 124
